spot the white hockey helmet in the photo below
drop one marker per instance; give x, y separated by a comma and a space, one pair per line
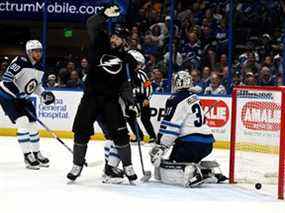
33, 45
182, 80
138, 56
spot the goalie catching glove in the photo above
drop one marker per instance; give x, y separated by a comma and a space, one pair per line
156, 154
111, 11
48, 97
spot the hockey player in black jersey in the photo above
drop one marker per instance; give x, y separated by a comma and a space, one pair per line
22, 78
106, 81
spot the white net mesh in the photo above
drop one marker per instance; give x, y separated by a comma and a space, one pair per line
258, 118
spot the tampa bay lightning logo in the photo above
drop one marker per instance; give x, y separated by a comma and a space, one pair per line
111, 64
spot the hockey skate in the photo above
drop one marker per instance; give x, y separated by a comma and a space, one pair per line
43, 161
31, 162
113, 175
130, 173
75, 172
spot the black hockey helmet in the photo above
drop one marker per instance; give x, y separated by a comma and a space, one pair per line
122, 32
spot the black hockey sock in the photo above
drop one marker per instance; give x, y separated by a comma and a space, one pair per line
125, 154
79, 152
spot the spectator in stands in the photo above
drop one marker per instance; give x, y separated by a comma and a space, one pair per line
191, 50
74, 81
266, 77
205, 79
223, 61
83, 70
63, 77
70, 66
159, 84
250, 79
197, 84
156, 35
134, 44
251, 63
149, 46
223, 74
236, 80
177, 59
51, 81
161, 27
215, 87
208, 36
151, 63
268, 62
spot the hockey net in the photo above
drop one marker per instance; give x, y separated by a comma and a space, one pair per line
258, 138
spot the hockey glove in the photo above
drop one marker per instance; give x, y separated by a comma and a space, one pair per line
156, 154
111, 11
20, 101
135, 109
48, 97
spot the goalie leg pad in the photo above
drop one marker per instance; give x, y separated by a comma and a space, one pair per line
171, 173
182, 174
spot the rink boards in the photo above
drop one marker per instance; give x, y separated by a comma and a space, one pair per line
59, 116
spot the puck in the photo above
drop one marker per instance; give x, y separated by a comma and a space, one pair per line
258, 186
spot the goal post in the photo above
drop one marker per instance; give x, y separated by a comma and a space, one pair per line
257, 148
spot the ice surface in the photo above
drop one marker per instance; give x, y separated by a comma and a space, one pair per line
23, 190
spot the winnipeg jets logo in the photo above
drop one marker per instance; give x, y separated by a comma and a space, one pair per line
31, 86
111, 64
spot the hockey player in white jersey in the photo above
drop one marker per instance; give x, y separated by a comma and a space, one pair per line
183, 139
22, 78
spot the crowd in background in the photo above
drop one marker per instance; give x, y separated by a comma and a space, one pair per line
200, 45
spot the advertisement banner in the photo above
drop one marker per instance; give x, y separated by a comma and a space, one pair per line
60, 115
259, 120
57, 10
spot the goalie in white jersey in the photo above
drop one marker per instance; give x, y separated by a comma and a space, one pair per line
22, 78
183, 129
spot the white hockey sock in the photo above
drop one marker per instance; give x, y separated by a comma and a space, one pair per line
107, 148
35, 141
24, 140
114, 158
111, 154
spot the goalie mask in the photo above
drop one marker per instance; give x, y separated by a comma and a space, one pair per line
182, 81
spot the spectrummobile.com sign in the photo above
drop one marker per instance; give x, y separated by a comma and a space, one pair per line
58, 10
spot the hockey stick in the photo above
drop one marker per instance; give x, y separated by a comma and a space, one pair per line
51, 132
146, 174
